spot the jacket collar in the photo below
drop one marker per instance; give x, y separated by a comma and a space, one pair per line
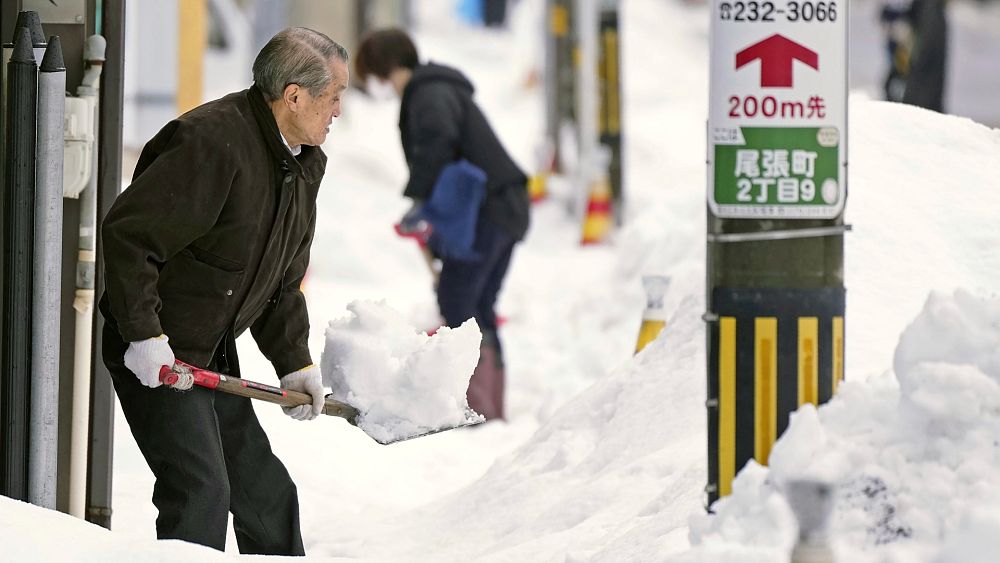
310, 163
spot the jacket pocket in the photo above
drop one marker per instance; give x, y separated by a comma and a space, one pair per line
214, 260
198, 298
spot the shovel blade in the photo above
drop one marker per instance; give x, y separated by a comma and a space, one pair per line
472, 418
288, 398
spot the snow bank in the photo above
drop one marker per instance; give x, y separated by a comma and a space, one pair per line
402, 381
32, 533
916, 463
921, 200
610, 477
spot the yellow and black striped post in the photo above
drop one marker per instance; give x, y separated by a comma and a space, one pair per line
560, 76
771, 351
609, 81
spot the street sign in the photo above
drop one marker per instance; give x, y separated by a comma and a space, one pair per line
777, 130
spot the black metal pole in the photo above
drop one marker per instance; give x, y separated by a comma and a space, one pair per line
27, 19
109, 181
19, 210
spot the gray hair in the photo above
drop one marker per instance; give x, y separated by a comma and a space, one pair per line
296, 55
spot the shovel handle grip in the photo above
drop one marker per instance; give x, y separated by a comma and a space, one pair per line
168, 376
202, 377
254, 390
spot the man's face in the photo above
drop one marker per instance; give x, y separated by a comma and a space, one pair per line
314, 114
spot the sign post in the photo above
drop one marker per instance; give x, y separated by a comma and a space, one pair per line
777, 188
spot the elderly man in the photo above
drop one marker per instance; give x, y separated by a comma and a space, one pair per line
212, 238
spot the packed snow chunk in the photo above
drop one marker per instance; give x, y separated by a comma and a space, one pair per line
754, 517
959, 329
402, 382
948, 364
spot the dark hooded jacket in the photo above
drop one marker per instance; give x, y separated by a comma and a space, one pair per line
213, 235
439, 123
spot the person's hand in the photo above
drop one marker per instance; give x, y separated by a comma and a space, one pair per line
413, 224
145, 358
306, 380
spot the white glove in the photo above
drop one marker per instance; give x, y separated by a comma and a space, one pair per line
146, 357
306, 380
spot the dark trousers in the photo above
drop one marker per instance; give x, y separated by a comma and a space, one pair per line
210, 457
494, 12
469, 289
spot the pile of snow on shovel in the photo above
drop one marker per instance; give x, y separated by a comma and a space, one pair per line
402, 381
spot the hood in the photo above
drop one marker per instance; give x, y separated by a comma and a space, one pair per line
433, 72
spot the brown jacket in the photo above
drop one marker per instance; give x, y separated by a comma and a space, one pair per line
213, 235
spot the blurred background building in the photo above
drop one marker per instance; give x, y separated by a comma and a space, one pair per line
180, 53
218, 39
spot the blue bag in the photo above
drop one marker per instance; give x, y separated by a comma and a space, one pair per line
471, 11
453, 210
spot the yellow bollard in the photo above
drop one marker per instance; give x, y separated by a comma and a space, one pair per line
654, 318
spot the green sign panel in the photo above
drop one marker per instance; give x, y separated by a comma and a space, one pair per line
780, 172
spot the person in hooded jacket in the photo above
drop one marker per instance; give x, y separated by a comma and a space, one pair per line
440, 124
212, 238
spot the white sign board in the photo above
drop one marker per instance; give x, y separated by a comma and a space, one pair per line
777, 129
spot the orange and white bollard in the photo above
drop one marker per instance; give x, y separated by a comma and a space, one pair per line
536, 186
545, 165
654, 318
597, 219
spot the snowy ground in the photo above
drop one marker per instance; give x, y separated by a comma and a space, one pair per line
603, 456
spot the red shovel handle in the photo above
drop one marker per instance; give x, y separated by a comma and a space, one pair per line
168, 376
420, 235
283, 397
253, 389
202, 377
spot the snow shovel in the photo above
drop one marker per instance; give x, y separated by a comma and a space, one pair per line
283, 397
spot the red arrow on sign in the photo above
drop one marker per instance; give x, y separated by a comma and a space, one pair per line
776, 54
